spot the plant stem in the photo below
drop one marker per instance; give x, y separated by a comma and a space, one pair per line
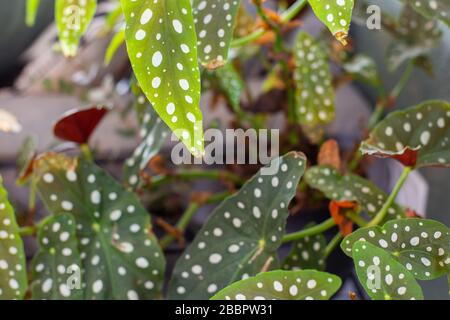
333, 244
27, 231
86, 151
356, 218
390, 200
324, 226
286, 16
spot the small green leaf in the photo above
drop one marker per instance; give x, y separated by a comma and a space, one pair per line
350, 187
32, 10
418, 136
363, 68
72, 20
382, 276
242, 235
438, 9
336, 15
214, 22
307, 253
13, 272
314, 92
283, 285
57, 266
120, 254
114, 45
422, 246
162, 46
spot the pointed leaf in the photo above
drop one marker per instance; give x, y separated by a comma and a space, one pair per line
72, 20
32, 10
422, 246
242, 235
283, 285
336, 15
382, 276
78, 125
418, 136
307, 253
57, 266
439, 9
162, 46
351, 187
13, 273
214, 22
120, 254
314, 92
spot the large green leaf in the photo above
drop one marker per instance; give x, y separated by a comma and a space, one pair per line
283, 285
120, 254
422, 246
31, 13
314, 92
242, 235
382, 276
439, 9
57, 266
13, 273
351, 187
72, 19
162, 46
336, 15
214, 22
418, 136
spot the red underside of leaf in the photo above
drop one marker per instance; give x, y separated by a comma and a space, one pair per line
78, 125
338, 210
408, 158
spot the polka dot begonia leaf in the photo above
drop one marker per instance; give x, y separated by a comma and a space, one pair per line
214, 22
418, 136
307, 253
382, 276
120, 254
439, 9
162, 46
153, 132
283, 285
422, 246
56, 267
314, 90
72, 20
13, 273
351, 187
242, 234
31, 13
335, 14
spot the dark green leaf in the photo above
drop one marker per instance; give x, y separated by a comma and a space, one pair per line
363, 68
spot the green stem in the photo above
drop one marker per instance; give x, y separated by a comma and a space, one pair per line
356, 218
390, 200
27, 231
86, 151
324, 226
395, 93
333, 244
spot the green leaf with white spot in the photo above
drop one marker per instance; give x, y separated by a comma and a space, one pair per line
153, 132
314, 90
283, 285
351, 187
117, 40
214, 22
162, 46
31, 12
418, 136
56, 267
72, 20
307, 253
422, 246
13, 273
433, 9
335, 14
363, 68
120, 254
242, 235
382, 276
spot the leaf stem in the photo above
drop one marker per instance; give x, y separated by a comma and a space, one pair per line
188, 175
333, 244
390, 200
324, 226
27, 231
86, 151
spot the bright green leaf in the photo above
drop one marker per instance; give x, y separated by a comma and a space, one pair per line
382, 276
121, 256
114, 45
57, 266
439, 9
72, 20
13, 273
418, 136
422, 246
214, 22
350, 187
336, 15
32, 10
162, 46
242, 235
283, 285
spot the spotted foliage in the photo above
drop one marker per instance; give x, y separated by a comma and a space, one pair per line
439, 9
283, 285
363, 68
242, 235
